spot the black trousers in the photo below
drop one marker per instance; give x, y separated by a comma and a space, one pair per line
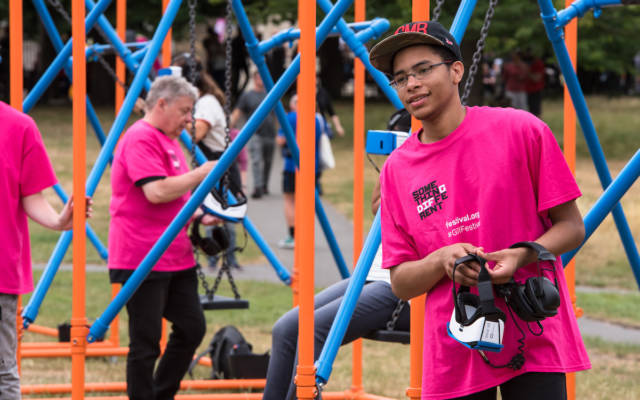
174, 296
529, 386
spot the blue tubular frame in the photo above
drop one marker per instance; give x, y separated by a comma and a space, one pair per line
291, 72
608, 200
556, 37
281, 271
106, 152
343, 316
100, 326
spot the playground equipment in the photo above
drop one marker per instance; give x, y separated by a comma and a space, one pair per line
554, 22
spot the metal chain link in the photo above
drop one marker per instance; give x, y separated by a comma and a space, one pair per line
391, 324
60, 9
477, 55
437, 10
227, 88
191, 61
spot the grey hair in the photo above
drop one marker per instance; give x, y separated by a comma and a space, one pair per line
170, 87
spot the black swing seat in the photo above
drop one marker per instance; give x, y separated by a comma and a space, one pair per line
385, 335
223, 303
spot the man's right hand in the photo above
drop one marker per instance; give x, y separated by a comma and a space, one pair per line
467, 273
205, 168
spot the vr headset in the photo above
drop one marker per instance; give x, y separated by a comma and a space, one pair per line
476, 322
211, 246
538, 298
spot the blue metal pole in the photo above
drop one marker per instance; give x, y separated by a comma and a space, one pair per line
606, 202
281, 271
579, 7
31, 310
461, 20
343, 316
100, 326
50, 27
258, 59
556, 37
291, 34
61, 59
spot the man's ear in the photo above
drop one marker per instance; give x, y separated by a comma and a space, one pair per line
457, 72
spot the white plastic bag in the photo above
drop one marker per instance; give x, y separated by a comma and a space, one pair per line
325, 153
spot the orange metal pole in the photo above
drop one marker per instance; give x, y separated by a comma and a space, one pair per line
571, 40
419, 12
15, 98
78, 320
166, 45
358, 185
114, 336
121, 27
244, 396
43, 330
305, 206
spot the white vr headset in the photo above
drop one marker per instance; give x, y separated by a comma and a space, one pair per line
475, 321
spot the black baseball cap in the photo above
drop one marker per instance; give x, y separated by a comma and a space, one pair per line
413, 33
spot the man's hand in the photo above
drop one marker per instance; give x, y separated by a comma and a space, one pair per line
65, 218
467, 273
208, 219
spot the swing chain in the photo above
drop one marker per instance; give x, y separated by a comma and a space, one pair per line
227, 87
477, 55
437, 10
191, 61
60, 9
391, 324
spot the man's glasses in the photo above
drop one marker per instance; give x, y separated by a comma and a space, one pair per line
420, 73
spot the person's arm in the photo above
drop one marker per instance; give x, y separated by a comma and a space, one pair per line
566, 233
337, 125
172, 187
376, 198
235, 116
413, 278
202, 127
38, 209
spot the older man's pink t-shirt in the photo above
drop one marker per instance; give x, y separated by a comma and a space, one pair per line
25, 170
491, 183
145, 153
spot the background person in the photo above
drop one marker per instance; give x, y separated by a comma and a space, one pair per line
262, 143
25, 171
460, 152
210, 135
150, 183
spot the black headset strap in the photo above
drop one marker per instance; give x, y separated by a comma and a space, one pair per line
195, 231
485, 287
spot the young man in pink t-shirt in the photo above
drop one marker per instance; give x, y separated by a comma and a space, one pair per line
25, 171
474, 180
150, 183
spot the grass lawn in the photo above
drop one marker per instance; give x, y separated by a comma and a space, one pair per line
601, 262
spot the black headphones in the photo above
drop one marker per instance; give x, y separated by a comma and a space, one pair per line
538, 298
483, 303
211, 246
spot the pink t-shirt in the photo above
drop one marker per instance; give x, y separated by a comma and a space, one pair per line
490, 183
25, 169
136, 224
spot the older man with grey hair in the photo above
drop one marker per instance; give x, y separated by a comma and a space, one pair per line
151, 182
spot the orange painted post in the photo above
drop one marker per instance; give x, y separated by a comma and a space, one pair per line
166, 45
79, 329
419, 12
571, 40
305, 198
121, 27
15, 98
358, 185
114, 335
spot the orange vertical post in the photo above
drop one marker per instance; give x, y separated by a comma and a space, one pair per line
305, 198
358, 184
166, 45
79, 329
15, 98
121, 28
571, 40
419, 12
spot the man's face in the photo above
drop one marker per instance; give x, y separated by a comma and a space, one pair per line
177, 114
428, 88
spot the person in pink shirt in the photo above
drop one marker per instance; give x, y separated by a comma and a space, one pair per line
474, 180
25, 171
150, 183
